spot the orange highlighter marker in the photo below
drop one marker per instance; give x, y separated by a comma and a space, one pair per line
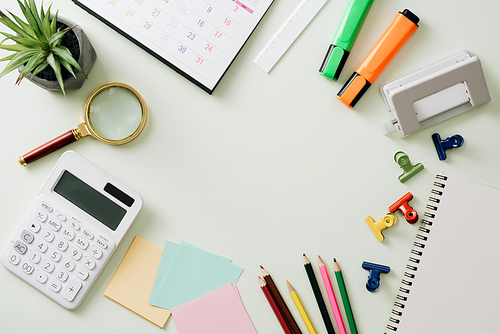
403, 26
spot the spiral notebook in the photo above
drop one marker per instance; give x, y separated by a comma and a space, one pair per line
451, 281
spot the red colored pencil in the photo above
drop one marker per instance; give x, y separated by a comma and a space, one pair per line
274, 306
294, 328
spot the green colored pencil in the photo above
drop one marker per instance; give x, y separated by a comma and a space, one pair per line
345, 297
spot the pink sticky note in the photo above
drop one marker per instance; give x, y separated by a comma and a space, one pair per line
219, 312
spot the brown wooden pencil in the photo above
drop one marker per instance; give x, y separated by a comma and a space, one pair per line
274, 306
280, 302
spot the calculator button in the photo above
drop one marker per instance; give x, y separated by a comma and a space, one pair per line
68, 234
74, 225
34, 226
61, 244
75, 222
75, 253
47, 207
41, 246
71, 289
27, 236
88, 234
68, 264
20, 247
61, 275
102, 243
95, 252
48, 266
54, 224
48, 235
88, 263
41, 276
41, 215
14, 258
54, 255
34, 256
54, 285
60, 216
27, 267
82, 273
82, 243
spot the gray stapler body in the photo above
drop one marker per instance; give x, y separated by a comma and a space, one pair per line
434, 93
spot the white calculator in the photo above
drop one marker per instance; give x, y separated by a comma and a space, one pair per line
70, 230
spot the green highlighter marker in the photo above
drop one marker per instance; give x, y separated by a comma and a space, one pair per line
354, 16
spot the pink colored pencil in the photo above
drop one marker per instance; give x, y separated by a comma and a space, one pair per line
331, 296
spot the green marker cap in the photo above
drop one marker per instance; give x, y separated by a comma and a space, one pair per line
334, 62
336, 57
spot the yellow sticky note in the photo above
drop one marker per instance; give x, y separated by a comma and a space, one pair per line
133, 281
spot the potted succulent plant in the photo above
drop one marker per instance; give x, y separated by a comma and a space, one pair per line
47, 50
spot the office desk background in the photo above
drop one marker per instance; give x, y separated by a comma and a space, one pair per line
269, 167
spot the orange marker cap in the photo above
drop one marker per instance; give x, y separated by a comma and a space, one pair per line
398, 32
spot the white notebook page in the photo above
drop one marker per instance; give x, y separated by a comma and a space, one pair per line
456, 286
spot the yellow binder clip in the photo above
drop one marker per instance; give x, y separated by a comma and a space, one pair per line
387, 221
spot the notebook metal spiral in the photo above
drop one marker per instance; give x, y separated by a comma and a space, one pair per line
416, 252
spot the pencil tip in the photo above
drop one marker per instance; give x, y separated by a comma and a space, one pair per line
262, 282
319, 257
287, 282
264, 271
261, 267
336, 266
304, 254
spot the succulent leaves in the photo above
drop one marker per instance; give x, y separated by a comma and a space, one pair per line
38, 43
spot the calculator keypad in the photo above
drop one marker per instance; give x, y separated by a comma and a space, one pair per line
60, 253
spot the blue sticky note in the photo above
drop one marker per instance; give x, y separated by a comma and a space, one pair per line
169, 251
189, 273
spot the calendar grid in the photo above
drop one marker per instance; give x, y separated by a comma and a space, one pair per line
197, 38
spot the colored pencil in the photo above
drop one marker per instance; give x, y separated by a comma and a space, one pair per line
319, 298
292, 325
274, 306
331, 296
345, 297
301, 309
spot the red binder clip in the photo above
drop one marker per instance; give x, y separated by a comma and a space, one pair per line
411, 215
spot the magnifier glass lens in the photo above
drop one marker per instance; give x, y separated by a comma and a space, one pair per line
115, 113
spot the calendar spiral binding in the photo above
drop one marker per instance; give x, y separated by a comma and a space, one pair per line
416, 253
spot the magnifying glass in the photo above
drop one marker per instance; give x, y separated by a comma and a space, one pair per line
115, 114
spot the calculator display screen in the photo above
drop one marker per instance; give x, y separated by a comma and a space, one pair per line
90, 200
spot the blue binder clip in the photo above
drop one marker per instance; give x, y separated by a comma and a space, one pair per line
447, 144
408, 169
374, 276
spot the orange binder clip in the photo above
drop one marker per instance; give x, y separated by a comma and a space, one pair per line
387, 221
